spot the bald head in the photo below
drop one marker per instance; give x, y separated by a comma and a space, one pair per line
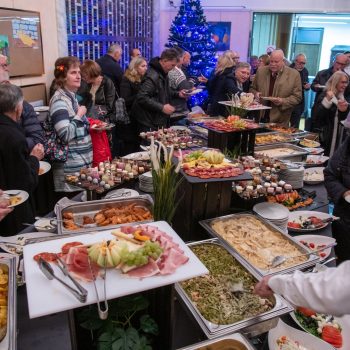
276, 61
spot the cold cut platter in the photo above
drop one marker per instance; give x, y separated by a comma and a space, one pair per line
168, 261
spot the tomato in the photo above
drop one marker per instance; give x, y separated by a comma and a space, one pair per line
293, 225
305, 311
48, 257
322, 254
67, 246
312, 245
332, 336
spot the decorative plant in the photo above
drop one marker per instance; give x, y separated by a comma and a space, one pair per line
128, 326
166, 180
239, 103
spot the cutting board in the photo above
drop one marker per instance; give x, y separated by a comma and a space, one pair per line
47, 297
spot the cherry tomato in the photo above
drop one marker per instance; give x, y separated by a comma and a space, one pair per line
305, 311
332, 336
48, 257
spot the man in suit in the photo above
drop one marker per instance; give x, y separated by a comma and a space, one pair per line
281, 85
109, 64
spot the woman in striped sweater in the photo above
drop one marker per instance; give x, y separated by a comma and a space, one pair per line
70, 122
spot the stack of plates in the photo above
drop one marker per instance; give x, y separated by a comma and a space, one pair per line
146, 182
293, 176
277, 214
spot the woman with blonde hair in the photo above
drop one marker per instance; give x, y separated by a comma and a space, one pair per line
331, 108
129, 87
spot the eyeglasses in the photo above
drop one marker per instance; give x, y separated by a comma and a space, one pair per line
301, 62
340, 63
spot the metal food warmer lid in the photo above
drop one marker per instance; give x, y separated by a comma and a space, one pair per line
90, 208
8, 296
311, 261
234, 341
263, 321
298, 151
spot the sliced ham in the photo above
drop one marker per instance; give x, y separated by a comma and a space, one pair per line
170, 260
144, 271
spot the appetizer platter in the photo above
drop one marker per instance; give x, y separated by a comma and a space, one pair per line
284, 337
168, 260
326, 327
96, 215
293, 199
307, 221
284, 129
209, 164
314, 176
314, 160
315, 242
99, 125
309, 143
256, 242
233, 123
273, 138
218, 300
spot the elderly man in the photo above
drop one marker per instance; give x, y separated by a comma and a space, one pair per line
29, 120
186, 61
279, 87
18, 167
299, 64
109, 64
135, 52
152, 108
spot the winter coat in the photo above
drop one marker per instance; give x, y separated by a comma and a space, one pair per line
112, 69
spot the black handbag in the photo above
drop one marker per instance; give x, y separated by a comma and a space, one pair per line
121, 114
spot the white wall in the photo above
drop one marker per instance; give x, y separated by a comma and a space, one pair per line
47, 9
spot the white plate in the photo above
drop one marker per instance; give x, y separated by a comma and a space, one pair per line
20, 239
347, 198
317, 240
315, 160
41, 223
344, 322
23, 195
317, 171
42, 109
304, 339
294, 216
196, 91
47, 297
122, 193
44, 166
306, 143
180, 127
271, 211
317, 150
138, 156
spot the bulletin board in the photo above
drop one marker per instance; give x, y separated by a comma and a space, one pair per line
20, 41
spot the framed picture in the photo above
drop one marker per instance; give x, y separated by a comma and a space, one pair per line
20, 41
221, 34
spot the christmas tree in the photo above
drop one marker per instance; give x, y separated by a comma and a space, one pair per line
190, 31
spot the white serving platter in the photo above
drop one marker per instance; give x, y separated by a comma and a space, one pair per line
47, 297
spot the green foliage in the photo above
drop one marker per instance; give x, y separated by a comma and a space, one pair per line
128, 326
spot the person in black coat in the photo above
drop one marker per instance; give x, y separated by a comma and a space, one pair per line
226, 83
18, 168
127, 135
151, 108
331, 108
110, 66
337, 182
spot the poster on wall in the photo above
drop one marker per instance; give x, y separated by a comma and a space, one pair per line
221, 34
20, 41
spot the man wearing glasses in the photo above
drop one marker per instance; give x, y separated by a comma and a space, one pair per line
299, 64
318, 84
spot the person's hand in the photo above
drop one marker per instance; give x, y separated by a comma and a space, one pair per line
329, 95
262, 288
202, 79
277, 100
97, 82
318, 86
4, 203
81, 111
38, 151
347, 193
307, 86
342, 105
183, 93
257, 96
168, 109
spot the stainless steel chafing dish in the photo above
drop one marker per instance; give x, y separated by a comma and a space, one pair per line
298, 154
90, 208
253, 325
287, 138
311, 261
234, 341
9, 342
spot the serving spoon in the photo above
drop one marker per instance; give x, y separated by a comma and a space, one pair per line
280, 259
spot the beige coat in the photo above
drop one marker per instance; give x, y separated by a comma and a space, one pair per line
287, 86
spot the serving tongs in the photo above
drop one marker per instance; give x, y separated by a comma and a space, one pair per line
102, 312
47, 270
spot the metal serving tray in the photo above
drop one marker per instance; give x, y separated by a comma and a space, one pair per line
233, 341
9, 342
312, 260
92, 207
266, 320
298, 156
288, 138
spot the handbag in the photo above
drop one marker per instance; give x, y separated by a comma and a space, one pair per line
55, 149
121, 114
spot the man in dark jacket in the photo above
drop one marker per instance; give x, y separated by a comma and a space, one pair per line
151, 108
299, 64
29, 120
109, 64
18, 167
